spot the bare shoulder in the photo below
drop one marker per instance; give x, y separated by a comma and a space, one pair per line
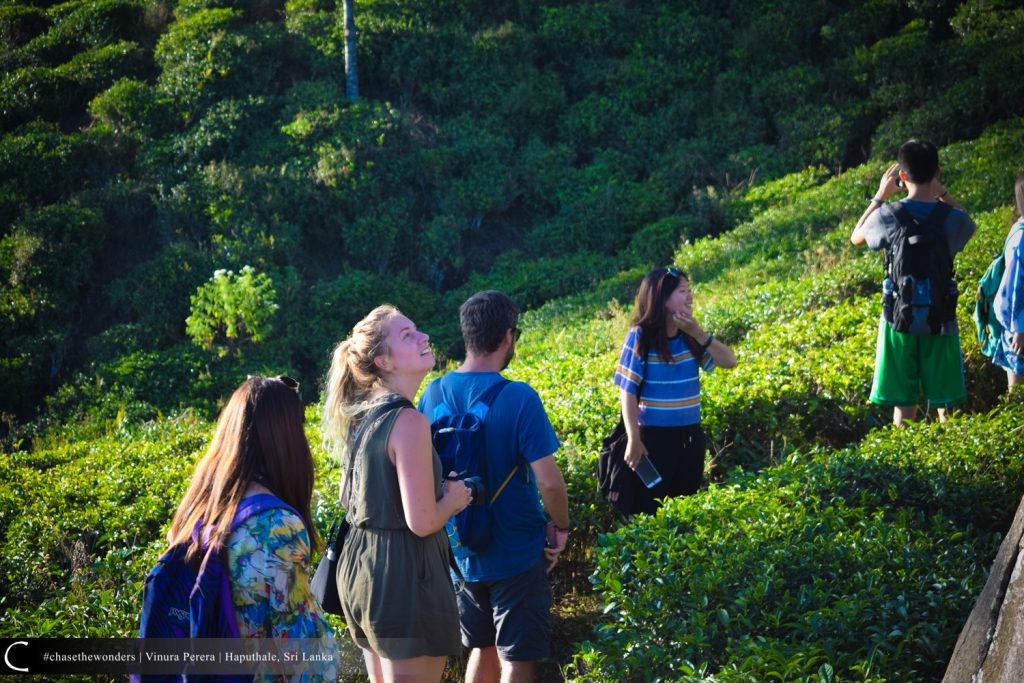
410, 425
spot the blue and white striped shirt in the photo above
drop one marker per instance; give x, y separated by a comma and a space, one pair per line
670, 396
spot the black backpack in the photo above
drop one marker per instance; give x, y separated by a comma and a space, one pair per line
919, 293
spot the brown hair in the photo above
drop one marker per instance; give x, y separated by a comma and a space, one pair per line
259, 437
649, 313
484, 319
353, 375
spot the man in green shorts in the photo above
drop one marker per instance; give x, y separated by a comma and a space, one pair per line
918, 351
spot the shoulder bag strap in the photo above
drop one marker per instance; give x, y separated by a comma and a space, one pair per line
369, 418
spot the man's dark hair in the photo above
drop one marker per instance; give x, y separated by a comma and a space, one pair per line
485, 317
919, 160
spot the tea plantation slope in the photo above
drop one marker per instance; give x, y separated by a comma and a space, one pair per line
81, 523
794, 219
863, 563
804, 334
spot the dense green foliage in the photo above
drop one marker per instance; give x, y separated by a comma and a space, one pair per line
554, 150
539, 146
824, 550
866, 560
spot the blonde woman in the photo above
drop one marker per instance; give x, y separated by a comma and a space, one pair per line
396, 592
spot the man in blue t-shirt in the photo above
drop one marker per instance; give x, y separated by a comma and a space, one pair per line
908, 366
505, 602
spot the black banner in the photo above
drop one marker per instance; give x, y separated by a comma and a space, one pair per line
140, 657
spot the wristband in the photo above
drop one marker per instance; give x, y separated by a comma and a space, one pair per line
558, 528
707, 344
876, 200
945, 193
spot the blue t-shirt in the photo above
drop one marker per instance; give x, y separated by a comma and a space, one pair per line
670, 395
516, 428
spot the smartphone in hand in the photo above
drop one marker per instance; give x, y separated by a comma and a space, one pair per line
647, 472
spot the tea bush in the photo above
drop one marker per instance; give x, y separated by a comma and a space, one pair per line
555, 151
866, 561
112, 497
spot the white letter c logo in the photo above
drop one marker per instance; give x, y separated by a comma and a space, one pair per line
7, 654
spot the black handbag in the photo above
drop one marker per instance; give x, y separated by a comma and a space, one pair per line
324, 584
615, 481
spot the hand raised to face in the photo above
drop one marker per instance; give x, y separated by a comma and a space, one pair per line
686, 323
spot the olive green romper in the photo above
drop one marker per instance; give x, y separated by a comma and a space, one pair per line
396, 593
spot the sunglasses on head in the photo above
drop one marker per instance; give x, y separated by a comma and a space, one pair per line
292, 384
673, 271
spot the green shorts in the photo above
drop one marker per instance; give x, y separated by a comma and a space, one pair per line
908, 366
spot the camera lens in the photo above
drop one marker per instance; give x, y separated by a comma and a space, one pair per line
477, 487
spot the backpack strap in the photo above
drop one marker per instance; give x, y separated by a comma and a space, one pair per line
480, 408
486, 401
254, 505
936, 218
1016, 228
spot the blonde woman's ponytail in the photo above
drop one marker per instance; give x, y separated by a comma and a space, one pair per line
352, 377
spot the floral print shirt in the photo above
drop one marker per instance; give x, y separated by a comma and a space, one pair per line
268, 557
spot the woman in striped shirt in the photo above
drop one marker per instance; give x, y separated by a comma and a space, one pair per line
659, 382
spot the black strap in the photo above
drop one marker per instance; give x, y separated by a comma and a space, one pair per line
936, 218
374, 414
455, 567
369, 418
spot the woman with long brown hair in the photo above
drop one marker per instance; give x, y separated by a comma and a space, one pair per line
259, 454
659, 381
395, 589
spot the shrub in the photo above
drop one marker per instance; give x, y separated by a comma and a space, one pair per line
40, 165
340, 303
131, 108
156, 293
59, 93
19, 24
867, 562
231, 310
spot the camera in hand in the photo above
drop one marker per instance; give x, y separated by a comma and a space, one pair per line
477, 487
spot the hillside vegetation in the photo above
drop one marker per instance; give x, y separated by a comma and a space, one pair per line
536, 145
827, 547
556, 150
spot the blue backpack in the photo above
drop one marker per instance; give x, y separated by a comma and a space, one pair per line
192, 598
460, 442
